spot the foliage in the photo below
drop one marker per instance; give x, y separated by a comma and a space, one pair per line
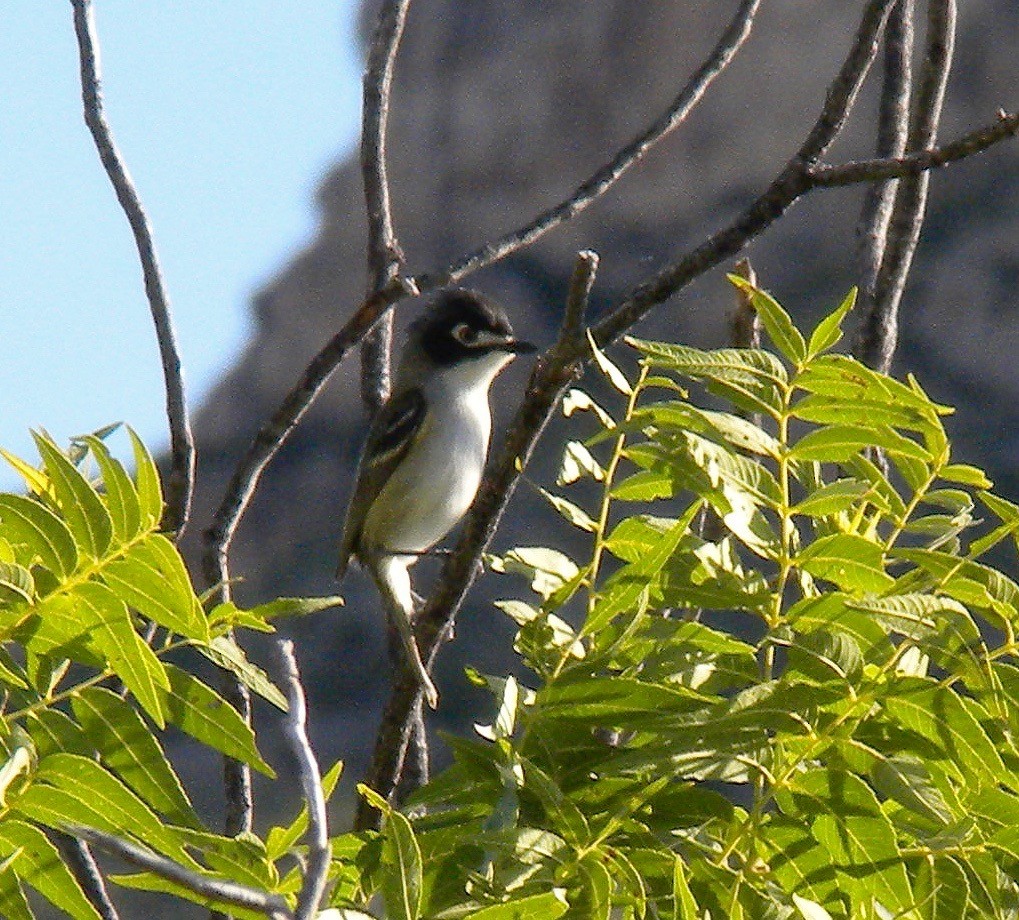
94, 602
838, 744
782, 683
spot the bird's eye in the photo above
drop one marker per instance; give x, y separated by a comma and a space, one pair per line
464, 334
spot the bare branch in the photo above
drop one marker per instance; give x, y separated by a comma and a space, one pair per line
180, 484
296, 729
911, 197
592, 188
83, 865
892, 134
551, 374
790, 184
1004, 127
272, 905
384, 255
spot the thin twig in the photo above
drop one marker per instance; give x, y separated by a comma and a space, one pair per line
1004, 127
911, 196
551, 375
892, 135
793, 181
180, 483
592, 188
384, 254
296, 729
233, 893
79, 858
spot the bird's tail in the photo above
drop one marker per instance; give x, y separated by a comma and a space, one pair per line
393, 580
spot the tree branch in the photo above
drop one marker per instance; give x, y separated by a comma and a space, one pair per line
551, 374
180, 483
296, 730
384, 254
592, 188
79, 858
892, 135
911, 196
238, 895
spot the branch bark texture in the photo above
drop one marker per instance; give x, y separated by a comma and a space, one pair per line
384, 254
180, 483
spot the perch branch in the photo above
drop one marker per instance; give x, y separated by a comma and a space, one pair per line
592, 188
238, 895
296, 730
550, 376
180, 483
384, 255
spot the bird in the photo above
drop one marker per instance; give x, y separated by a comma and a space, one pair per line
426, 450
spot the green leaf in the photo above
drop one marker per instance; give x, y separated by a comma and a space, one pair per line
683, 904
401, 868
825, 409
835, 497
907, 780
127, 747
937, 714
846, 818
152, 579
36, 480
31, 523
621, 592
545, 906
966, 475
83, 509
942, 887
37, 862
114, 635
829, 330
294, 607
570, 512
612, 373
72, 790
150, 496
846, 378
577, 462
225, 652
776, 321
837, 443
121, 495
16, 584
733, 365
198, 710
853, 563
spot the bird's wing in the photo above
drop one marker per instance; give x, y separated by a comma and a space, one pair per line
389, 439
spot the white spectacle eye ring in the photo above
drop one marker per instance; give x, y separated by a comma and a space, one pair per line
464, 334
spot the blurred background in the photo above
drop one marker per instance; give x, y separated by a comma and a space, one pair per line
239, 130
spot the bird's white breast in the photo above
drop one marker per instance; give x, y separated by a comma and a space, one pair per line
436, 481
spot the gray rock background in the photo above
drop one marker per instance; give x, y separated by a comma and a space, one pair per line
500, 109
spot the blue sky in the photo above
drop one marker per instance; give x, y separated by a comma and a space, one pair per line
227, 116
